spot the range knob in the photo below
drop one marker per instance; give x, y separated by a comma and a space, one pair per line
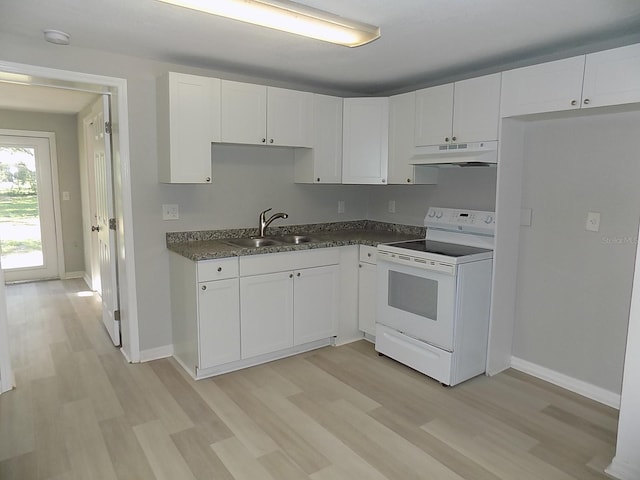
439, 214
431, 213
488, 219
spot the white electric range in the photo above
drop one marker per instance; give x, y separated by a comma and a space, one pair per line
434, 296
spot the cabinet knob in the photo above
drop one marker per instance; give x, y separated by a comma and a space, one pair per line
587, 101
408, 180
207, 179
359, 265
574, 102
384, 180
446, 139
271, 140
203, 287
298, 274
219, 269
453, 139
318, 179
291, 275
369, 255
264, 140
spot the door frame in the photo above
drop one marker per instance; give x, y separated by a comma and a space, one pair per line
55, 189
117, 88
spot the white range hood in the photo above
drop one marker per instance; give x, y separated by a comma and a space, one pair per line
457, 154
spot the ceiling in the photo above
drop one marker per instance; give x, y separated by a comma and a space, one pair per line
423, 41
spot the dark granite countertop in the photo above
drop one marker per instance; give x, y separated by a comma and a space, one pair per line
210, 244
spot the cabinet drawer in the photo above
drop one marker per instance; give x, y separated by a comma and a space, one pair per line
218, 269
368, 254
282, 262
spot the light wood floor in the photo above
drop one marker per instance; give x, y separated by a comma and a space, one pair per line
81, 412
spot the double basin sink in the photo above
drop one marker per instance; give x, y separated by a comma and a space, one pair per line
257, 242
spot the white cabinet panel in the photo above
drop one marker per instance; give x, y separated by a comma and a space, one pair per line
188, 106
547, 87
243, 113
218, 322
266, 313
322, 163
612, 77
289, 117
315, 304
434, 115
476, 109
367, 284
365, 145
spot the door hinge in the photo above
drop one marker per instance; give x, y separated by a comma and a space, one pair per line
116, 315
112, 224
107, 128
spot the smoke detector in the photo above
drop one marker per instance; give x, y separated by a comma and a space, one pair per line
57, 36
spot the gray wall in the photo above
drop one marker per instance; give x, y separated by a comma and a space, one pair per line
64, 126
574, 285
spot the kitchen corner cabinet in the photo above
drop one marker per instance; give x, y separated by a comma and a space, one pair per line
323, 162
402, 113
205, 312
460, 112
187, 123
288, 299
610, 77
365, 143
261, 115
367, 284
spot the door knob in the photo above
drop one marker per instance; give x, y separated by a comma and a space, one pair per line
95, 228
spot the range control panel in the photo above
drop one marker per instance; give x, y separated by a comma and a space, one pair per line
472, 221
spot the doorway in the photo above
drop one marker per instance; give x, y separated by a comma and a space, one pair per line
29, 223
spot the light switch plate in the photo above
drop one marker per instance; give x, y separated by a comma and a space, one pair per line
340, 206
170, 212
392, 206
593, 222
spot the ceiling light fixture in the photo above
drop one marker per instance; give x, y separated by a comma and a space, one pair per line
289, 17
57, 36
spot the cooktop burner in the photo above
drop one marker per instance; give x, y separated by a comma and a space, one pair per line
439, 248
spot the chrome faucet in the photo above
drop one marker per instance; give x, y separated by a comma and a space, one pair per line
265, 223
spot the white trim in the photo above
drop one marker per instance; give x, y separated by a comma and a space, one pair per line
118, 85
622, 471
580, 387
7, 379
156, 353
71, 275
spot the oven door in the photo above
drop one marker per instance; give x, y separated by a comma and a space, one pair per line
417, 302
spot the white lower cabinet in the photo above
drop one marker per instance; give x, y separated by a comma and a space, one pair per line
367, 290
315, 303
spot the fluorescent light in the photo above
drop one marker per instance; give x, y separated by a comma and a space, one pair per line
288, 17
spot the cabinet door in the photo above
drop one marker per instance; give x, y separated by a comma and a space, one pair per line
243, 113
218, 322
476, 109
186, 108
365, 144
266, 313
367, 298
547, 87
315, 304
434, 115
612, 77
289, 117
402, 117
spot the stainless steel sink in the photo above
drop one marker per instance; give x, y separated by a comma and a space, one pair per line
254, 242
295, 239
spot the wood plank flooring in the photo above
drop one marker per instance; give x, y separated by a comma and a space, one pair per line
81, 412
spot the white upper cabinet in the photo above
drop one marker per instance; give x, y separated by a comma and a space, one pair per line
402, 117
323, 162
365, 143
547, 87
260, 115
188, 121
611, 77
460, 112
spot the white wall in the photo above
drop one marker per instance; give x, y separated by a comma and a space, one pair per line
574, 286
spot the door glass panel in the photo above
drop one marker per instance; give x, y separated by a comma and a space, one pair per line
20, 232
414, 294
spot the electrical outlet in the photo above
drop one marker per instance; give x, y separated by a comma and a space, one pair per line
170, 212
593, 222
392, 206
65, 196
340, 206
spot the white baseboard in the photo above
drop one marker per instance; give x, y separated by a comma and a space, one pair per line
585, 389
70, 275
156, 353
622, 471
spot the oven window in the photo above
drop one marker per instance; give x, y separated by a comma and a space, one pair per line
413, 294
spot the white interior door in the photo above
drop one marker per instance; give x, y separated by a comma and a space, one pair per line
28, 237
104, 215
